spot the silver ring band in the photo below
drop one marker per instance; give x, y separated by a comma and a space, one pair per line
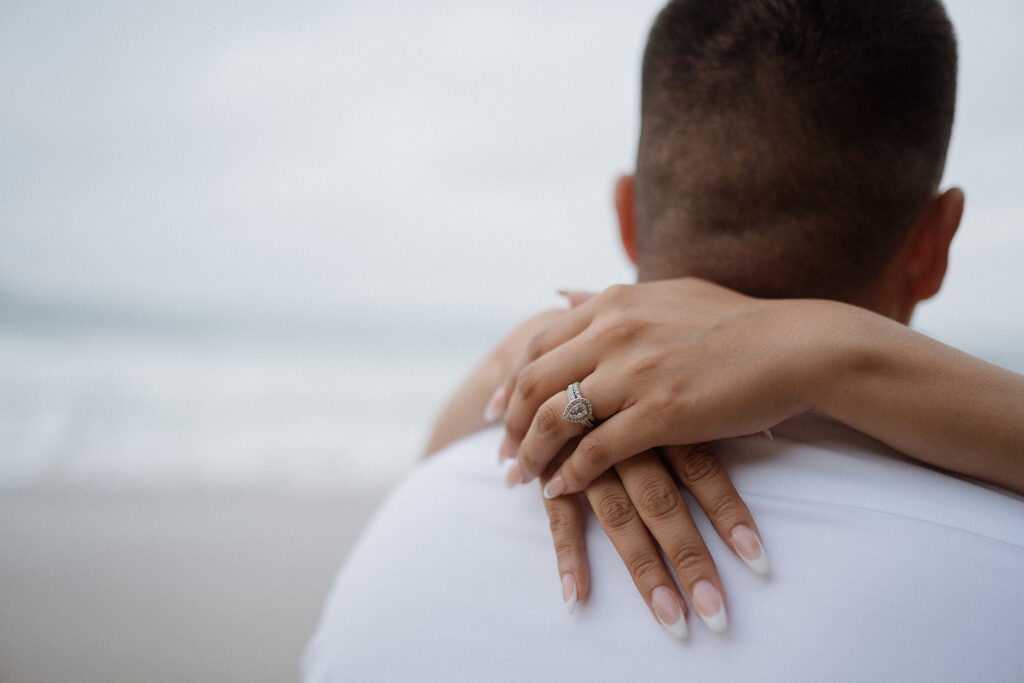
578, 410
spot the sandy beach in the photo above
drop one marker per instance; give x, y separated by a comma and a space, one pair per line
165, 587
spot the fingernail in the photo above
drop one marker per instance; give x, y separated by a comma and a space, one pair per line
768, 433
569, 592
507, 449
748, 546
514, 476
669, 612
495, 406
575, 296
555, 488
707, 602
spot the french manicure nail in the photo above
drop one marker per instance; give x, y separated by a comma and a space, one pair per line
575, 296
514, 476
669, 612
569, 592
495, 406
555, 488
707, 602
748, 546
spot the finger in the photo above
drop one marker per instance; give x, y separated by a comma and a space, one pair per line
703, 475
566, 327
661, 507
548, 434
549, 430
567, 521
576, 297
638, 551
614, 440
543, 379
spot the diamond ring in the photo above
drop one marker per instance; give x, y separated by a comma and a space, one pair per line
579, 409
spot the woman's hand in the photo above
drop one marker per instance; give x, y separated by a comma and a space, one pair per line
646, 518
668, 362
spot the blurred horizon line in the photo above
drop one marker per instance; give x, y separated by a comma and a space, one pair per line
70, 315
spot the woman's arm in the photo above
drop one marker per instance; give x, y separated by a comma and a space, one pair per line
686, 361
925, 399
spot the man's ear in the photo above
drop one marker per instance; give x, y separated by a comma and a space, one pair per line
932, 235
625, 207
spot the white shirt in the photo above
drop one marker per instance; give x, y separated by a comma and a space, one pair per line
883, 570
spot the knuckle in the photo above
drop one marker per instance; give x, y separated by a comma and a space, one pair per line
699, 466
657, 499
687, 558
528, 462
565, 549
615, 511
644, 565
592, 453
616, 292
660, 402
526, 382
649, 362
723, 508
622, 326
548, 421
559, 519
535, 347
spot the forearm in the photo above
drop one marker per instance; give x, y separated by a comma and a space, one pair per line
925, 399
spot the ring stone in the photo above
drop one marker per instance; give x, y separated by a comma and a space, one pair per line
579, 409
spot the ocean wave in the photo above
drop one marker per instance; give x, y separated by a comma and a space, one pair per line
113, 408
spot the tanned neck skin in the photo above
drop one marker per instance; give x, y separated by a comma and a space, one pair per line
913, 274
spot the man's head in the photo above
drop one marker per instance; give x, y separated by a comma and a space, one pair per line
791, 148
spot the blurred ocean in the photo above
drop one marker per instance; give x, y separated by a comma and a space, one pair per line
110, 402
255, 245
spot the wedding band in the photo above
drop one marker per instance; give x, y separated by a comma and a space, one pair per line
579, 409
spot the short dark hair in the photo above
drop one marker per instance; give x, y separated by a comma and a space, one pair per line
787, 146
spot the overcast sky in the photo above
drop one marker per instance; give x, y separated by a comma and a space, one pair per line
448, 158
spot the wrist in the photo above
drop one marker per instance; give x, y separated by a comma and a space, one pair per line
856, 349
